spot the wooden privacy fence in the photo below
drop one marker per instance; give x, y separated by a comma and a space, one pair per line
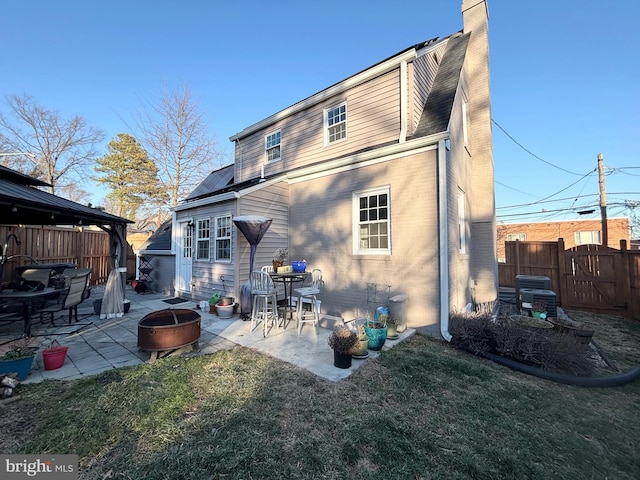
38, 244
585, 277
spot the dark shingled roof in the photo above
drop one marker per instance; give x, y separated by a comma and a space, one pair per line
26, 205
160, 239
437, 110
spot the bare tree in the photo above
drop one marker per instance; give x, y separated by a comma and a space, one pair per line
634, 218
58, 150
176, 134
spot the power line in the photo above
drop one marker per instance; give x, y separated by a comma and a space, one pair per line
560, 191
565, 198
529, 151
561, 210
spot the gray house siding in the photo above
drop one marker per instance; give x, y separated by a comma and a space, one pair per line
271, 202
373, 118
207, 273
459, 177
321, 231
163, 273
425, 70
400, 112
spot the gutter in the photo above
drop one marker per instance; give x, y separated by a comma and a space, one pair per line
404, 88
205, 201
443, 240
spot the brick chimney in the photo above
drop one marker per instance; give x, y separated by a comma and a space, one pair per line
475, 16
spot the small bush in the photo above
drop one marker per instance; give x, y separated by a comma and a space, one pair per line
547, 349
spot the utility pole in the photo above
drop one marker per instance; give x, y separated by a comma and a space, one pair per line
603, 201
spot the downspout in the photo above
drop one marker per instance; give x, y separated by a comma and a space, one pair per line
404, 88
443, 240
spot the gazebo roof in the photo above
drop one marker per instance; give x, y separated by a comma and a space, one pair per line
22, 203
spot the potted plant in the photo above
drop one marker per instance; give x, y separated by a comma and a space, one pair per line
361, 350
392, 328
342, 341
54, 355
376, 331
539, 309
19, 358
213, 300
279, 257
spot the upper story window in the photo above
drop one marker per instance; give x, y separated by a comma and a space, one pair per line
272, 146
335, 124
585, 238
203, 235
223, 238
512, 237
371, 222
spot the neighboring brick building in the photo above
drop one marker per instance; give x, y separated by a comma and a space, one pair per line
574, 232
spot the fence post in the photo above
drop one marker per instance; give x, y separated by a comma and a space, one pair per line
517, 257
80, 250
625, 275
562, 274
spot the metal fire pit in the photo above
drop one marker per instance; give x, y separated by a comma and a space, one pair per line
168, 331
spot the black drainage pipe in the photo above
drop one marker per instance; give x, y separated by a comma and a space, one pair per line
598, 382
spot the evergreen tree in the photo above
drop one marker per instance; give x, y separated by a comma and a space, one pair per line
130, 174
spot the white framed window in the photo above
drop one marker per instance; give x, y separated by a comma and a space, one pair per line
512, 237
223, 238
203, 239
372, 222
187, 240
587, 238
462, 220
335, 122
272, 146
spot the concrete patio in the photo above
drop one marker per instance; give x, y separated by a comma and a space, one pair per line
96, 345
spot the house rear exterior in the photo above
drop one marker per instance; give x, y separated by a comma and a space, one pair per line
384, 181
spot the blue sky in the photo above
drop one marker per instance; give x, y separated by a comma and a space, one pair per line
564, 74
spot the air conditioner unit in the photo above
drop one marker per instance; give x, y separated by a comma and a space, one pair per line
530, 295
530, 281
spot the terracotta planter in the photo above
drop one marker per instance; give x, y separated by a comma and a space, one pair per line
224, 301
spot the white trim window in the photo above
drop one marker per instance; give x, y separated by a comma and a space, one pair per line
587, 238
335, 124
512, 237
223, 239
272, 146
462, 220
187, 239
372, 222
203, 239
